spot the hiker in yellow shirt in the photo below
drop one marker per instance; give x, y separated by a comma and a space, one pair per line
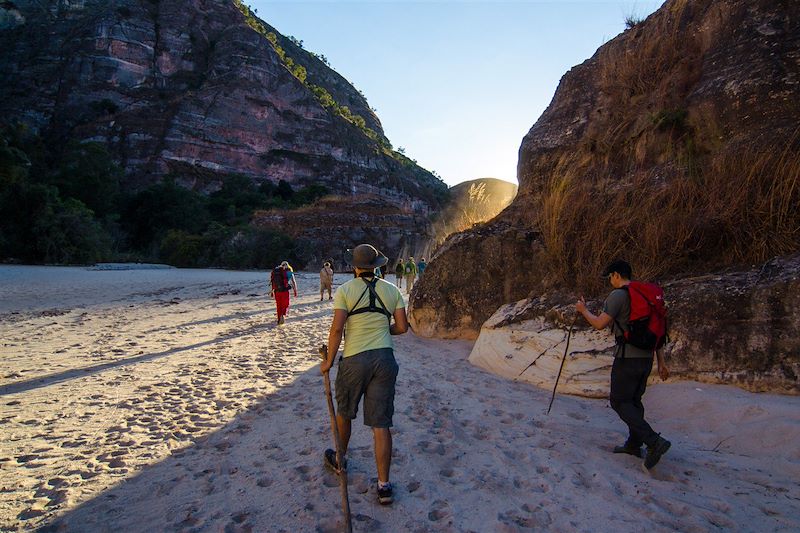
366, 305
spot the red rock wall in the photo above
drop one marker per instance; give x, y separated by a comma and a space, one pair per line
196, 93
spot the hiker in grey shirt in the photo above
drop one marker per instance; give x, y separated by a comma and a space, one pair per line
631, 368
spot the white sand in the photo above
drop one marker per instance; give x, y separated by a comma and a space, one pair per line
168, 401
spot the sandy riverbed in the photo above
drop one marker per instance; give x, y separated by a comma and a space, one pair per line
167, 400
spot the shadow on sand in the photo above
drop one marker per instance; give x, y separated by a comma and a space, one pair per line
241, 477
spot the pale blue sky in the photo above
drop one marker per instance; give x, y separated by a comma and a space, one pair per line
458, 84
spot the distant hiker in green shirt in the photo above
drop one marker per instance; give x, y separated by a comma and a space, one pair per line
410, 270
366, 306
398, 274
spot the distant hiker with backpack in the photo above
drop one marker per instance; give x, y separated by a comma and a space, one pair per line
281, 283
290, 275
326, 280
399, 270
636, 314
366, 305
421, 266
410, 270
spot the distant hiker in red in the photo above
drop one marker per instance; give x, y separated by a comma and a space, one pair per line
632, 363
280, 281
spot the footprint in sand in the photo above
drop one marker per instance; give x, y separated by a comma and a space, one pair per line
528, 518
358, 482
429, 447
303, 472
440, 510
367, 523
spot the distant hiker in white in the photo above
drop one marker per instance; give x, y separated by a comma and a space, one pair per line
325, 280
366, 305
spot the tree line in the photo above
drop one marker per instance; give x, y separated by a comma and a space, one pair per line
69, 206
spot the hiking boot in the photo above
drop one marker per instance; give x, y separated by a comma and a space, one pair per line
330, 461
630, 449
655, 452
385, 494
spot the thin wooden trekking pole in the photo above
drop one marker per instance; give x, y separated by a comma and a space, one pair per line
337, 443
560, 368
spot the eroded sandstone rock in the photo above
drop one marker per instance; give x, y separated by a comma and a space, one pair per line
531, 350
727, 327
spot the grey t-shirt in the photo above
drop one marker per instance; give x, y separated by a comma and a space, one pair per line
618, 306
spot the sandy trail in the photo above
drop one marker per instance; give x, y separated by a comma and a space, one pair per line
182, 407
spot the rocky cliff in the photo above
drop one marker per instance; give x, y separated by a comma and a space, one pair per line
674, 146
725, 327
198, 90
327, 228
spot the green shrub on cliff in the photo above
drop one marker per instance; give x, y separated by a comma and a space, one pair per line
88, 173
151, 213
250, 247
299, 71
37, 224
182, 249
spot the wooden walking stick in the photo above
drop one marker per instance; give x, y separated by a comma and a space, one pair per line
560, 368
342, 470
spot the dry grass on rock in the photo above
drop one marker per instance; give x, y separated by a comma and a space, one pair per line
740, 208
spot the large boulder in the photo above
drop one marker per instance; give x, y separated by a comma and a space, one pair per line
674, 146
531, 350
726, 327
467, 279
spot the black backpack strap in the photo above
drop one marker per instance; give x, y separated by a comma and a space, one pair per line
383, 310
350, 312
621, 339
373, 295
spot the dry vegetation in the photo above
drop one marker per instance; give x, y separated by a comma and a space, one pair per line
477, 204
740, 207
664, 189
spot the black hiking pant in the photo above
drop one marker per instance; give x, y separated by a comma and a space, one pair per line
628, 383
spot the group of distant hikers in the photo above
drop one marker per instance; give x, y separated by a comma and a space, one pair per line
370, 310
283, 281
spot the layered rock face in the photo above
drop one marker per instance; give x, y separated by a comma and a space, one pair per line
728, 327
700, 90
189, 89
327, 228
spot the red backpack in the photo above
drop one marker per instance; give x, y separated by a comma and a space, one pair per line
279, 280
647, 323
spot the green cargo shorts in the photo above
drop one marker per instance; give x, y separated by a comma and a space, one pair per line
371, 374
